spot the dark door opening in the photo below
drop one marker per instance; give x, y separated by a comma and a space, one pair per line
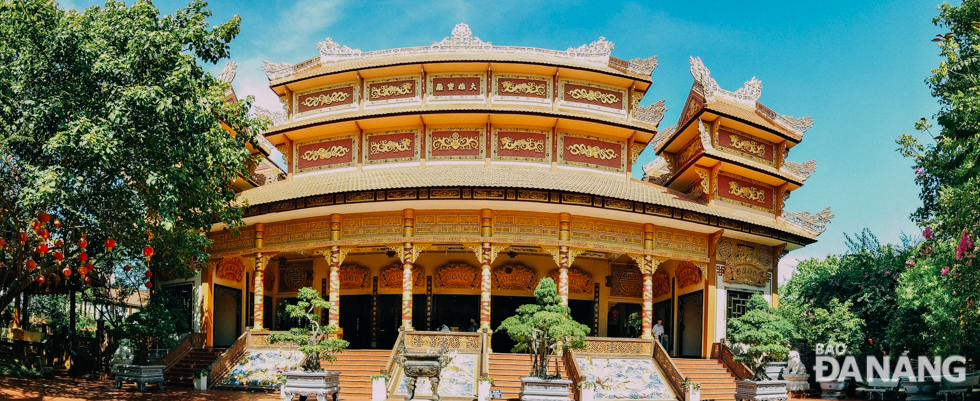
618, 320
389, 319
227, 315
355, 319
582, 312
662, 312
690, 311
502, 307
183, 294
453, 311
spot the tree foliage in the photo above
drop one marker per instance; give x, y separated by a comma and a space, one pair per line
312, 338
759, 336
544, 328
110, 128
155, 325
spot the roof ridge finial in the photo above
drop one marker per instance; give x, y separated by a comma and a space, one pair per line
462, 36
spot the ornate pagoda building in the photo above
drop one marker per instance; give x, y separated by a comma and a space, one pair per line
432, 187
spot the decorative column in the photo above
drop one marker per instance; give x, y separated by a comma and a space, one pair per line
564, 234
711, 301
335, 260
485, 287
259, 284
648, 267
408, 260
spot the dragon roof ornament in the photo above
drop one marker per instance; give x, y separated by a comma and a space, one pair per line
651, 114
662, 136
227, 74
460, 40
816, 223
802, 170
277, 117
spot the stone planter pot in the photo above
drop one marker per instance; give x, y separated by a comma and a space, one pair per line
379, 390
796, 382
921, 390
775, 370
201, 383
541, 390
304, 384
768, 390
692, 394
483, 391
833, 389
141, 375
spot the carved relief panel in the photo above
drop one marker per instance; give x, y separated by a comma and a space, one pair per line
326, 153
391, 146
679, 243
522, 145
579, 281
230, 269
295, 275
745, 262
743, 191
457, 275
661, 284
514, 276
325, 99
456, 88
588, 151
586, 229
354, 277
371, 225
692, 107
687, 274
522, 89
447, 223
739, 143
391, 276
626, 281
591, 96
525, 224
466, 143
392, 90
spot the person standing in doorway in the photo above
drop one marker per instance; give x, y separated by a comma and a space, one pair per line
658, 332
473, 326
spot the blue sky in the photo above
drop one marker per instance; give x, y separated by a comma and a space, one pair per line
857, 67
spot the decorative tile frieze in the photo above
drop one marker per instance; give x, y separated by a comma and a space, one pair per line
578, 150
456, 143
325, 99
592, 96
393, 90
461, 88
509, 88
520, 144
394, 146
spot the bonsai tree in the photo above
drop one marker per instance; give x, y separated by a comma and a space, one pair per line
763, 334
311, 337
837, 324
544, 328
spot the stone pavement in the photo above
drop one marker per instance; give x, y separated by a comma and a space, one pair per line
75, 389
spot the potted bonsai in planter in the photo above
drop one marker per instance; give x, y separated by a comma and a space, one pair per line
544, 329
759, 337
313, 341
201, 379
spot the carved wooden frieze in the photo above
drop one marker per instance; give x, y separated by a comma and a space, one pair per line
391, 146
743, 191
230, 269
626, 281
326, 153
325, 99
509, 223
392, 90
428, 223
737, 142
588, 151
592, 96
522, 88
354, 277
391, 276
295, 275
661, 284
457, 275
687, 274
679, 243
587, 229
579, 281
746, 274
466, 143
692, 107
269, 280
514, 276
743, 252
521, 145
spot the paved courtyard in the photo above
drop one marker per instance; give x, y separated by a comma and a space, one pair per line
72, 389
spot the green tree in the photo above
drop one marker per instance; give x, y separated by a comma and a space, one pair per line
544, 328
759, 336
312, 338
156, 325
110, 129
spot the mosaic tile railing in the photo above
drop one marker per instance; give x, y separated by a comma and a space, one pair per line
741, 371
674, 376
191, 341
227, 360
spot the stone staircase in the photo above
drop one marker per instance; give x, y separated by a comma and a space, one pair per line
356, 367
717, 382
507, 369
181, 373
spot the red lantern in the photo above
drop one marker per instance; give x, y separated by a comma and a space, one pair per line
83, 244
36, 225
59, 256
126, 268
2, 242
83, 256
88, 280
55, 279
149, 274
82, 271
149, 285
110, 243
66, 271
30, 264
42, 248
43, 233
40, 279
148, 251
43, 217
89, 267
57, 224
23, 237
58, 243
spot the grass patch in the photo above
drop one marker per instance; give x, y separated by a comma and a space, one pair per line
12, 368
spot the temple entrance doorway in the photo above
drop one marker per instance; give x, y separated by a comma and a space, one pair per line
618, 322
389, 319
455, 311
227, 315
583, 312
502, 307
355, 319
690, 311
662, 311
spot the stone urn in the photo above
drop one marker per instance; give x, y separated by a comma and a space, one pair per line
746, 390
417, 365
833, 389
305, 384
536, 389
141, 375
796, 381
921, 390
775, 370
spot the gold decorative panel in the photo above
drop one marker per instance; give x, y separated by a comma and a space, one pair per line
618, 347
372, 225
295, 275
226, 240
585, 229
681, 243
279, 233
447, 223
434, 341
525, 224
743, 252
